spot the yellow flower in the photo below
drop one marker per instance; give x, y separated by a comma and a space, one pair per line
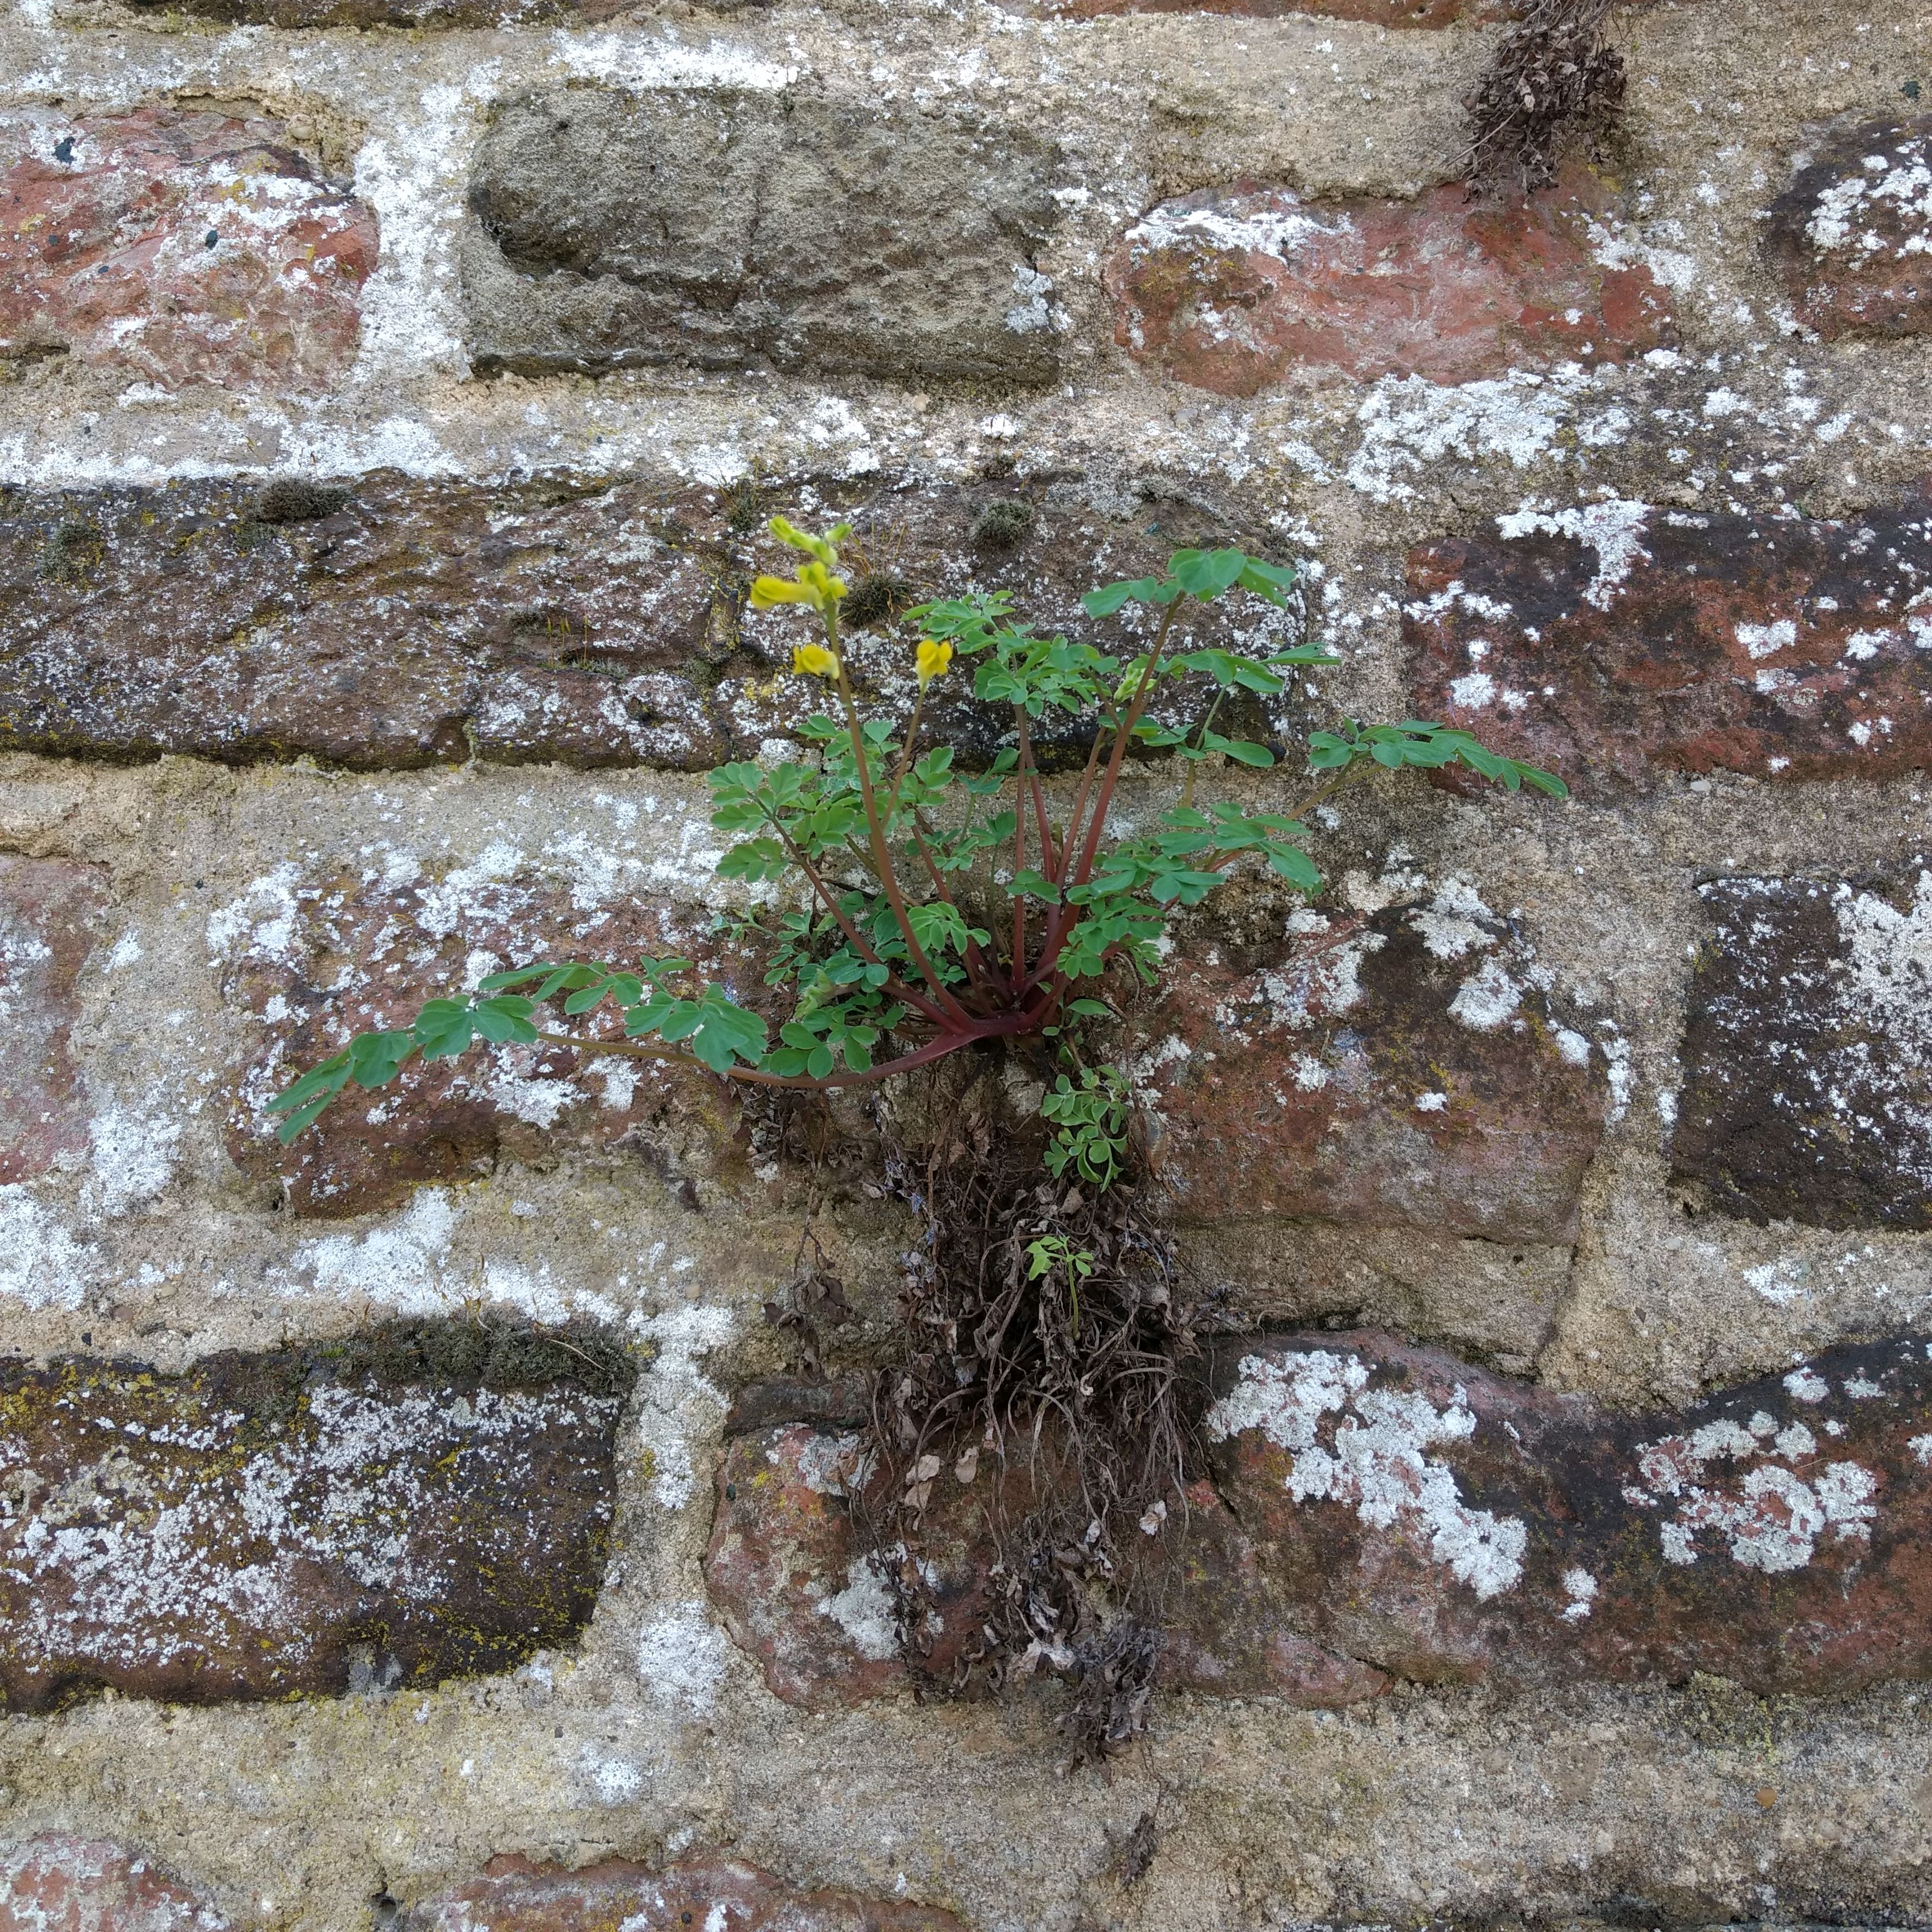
815, 585
934, 659
823, 548
815, 660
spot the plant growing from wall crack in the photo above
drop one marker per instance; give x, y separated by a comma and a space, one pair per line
893, 857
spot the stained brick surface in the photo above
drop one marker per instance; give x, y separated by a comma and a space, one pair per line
49, 918
1851, 238
58, 1883
518, 1896
1615, 638
1807, 1053
417, 1504
1406, 1068
1235, 289
178, 247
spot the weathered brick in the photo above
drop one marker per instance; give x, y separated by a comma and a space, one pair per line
400, 623
318, 959
789, 1578
1807, 1053
1234, 289
1406, 1068
1376, 13
1617, 638
518, 1896
726, 228
58, 1883
412, 1504
1445, 1524
178, 247
1851, 238
49, 914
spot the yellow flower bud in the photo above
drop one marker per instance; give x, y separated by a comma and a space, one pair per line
815, 661
934, 658
768, 591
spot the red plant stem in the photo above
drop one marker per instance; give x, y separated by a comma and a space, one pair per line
1032, 771
1079, 806
1059, 926
894, 984
1019, 898
881, 857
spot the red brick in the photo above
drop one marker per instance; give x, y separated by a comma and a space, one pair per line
1234, 290
786, 1572
61, 1884
514, 1895
49, 917
1401, 1068
1376, 13
1618, 639
1851, 238
105, 255
321, 958
1449, 1525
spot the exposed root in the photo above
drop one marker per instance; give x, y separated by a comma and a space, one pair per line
1555, 81
1067, 1379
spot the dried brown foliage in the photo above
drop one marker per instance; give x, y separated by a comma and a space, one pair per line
1555, 81
1071, 1387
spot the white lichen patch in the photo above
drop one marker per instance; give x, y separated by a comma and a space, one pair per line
41, 1263
1614, 529
678, 1403
1375, 1459
197, 1537
863, 1610
682, 1656
1739, 1482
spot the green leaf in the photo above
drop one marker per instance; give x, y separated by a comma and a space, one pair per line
444, 1029
325, 1079
1205, 573
375, 1058
305, 1116
1028, 884
1103, 603
505, 1018
1239, 749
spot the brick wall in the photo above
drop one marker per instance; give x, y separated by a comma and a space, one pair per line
416, 1524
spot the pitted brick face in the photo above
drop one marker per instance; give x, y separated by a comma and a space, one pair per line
1808, 1052
50, 913
709, 1894
1237, 290
412, 1506
58, 1883
1851, 238
179, 248
1420, 1513
1374, 13
1406, 1068
1618, 639
391, 623
730, 228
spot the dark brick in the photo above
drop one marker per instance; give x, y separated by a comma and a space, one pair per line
1807, 1053
1851, 238
518, 1896
598, 624
421, 1502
